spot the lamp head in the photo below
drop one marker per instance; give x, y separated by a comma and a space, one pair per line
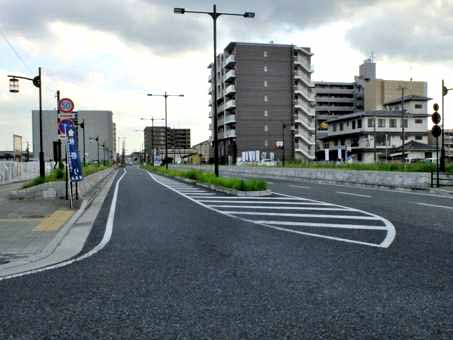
13, 85
249, 15
179, 10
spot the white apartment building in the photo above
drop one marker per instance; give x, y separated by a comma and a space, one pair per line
377, 135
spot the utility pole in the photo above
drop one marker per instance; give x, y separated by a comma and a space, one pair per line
402, 126
374, 137
283, 144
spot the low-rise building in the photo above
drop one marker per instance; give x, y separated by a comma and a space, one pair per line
203, 152
371, 136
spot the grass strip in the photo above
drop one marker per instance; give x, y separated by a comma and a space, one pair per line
209, 178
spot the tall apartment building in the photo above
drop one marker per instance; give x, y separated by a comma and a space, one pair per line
264, 97
154, 138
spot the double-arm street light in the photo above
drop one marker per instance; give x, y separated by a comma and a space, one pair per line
14, 88
442, 151
152, 119
214, 15
165, 95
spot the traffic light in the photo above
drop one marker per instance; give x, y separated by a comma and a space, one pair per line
435, 117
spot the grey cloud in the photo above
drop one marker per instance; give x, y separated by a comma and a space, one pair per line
415, 32
151, 23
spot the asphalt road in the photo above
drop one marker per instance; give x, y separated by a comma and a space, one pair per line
181, 265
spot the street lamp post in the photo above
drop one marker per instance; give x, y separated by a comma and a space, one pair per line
283, 144
403, 137
82, 125
166, 95
442, 151
214, 15
152, 119
14, 88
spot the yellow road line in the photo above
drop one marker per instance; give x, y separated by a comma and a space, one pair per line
55, 221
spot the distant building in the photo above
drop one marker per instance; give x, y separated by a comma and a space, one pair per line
203, 152
97, 124
361, 135
154, 137
264, 98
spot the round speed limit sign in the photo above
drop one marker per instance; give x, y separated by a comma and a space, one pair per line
66, 105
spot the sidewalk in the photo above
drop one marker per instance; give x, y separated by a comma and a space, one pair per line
28, 226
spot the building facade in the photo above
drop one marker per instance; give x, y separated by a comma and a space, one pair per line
154, 138
264, 99
374, 135
203, 152
97, 124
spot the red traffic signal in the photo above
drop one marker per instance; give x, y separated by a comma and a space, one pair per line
436, 118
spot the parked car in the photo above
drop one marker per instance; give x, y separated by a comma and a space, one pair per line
268, 162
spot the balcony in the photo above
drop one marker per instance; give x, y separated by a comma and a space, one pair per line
305, 137
307, 123
303, 50
230, 133
231, 89
229, 119
299, 75
210, 101
303, 63
210, 77
229, 61
229, 75
307, 152
301, 105
210, 89
230, 104
301, 90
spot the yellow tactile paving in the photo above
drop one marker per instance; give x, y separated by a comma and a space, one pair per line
55, 221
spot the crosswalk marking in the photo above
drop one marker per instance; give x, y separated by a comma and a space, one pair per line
292, 214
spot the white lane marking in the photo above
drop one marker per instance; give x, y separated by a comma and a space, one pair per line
434, 205
391, 231
198, 193
346, 217
269, 182
259, 198
324, 225
384, 244
353, 194
105, 239
299, 186
389, 190
276, 208
257, 202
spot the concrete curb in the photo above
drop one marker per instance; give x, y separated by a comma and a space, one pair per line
44, 258
229, 191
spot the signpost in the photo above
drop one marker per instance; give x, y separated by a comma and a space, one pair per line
66, 105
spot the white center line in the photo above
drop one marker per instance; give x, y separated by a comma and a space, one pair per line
433, 205
352, 194
299, 186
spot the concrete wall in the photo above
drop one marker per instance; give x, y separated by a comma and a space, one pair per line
411, 180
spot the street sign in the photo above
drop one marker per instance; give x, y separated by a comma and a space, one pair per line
436, 118
436, 131
74, 164
66, 105
65, 120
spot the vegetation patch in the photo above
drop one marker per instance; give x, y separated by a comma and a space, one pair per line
59, 174
209, 178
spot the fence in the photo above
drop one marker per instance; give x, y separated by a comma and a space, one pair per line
11, 171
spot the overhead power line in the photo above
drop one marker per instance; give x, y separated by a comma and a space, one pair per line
16, 53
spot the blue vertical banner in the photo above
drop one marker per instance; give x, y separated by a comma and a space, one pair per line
74, 164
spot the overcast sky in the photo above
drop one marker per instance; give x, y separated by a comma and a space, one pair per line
107, 54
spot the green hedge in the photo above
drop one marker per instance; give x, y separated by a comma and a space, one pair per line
209, 178
411, 167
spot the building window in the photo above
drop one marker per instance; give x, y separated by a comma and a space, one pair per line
334, 127
353, 124
419, 121
419, 106
265, 113
265, 99
404, 123
266, 143
418, 137
341, 126
265, 83
381, 123
266, 128
265, 68
370, 122
265, 54
393, 123
359, 123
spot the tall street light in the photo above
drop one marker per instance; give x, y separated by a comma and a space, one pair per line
14, 88
442, 151
166, 95
214, 15
152, 119
82, 125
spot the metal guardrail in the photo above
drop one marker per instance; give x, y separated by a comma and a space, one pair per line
11, 171
443, 180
